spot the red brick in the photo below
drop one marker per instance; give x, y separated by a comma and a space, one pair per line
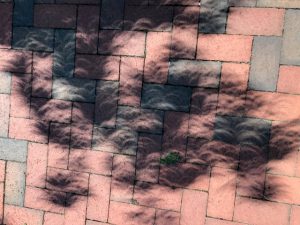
52, 218
224, 47
163, 217
98, 199
221, 193
272, 106
289, 79
67, 181
123, 175
43, 199
185, 32
27, 129
42, 75
20, 100
298, 165
55, 16
5, 24
259, 212
50, 110
81, 135
201, 126
97, 67
90, 222
36, 165
255, 21
193, 209
212, 221
204, 101
114, 42
158, 196
150, 18
175, 132
234, 81
76, 212
148, 155
90, 161
283, 147
15, 215
59, 145
15, 61
283, 189
2, 171
4, 114
295, 215
83, 112
128, 214
157, 57
1, 201
185, 175
87, 29
131, 75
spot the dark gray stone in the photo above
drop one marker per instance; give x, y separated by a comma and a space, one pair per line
23, 13
195, 73
13, 150
64, 53
166, 97
213, 16
290, 53
265, 63
242, 2
112, 14
74, 89
35, 39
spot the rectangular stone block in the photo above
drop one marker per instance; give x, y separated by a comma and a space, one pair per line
112, 14
195, 73
279, 3
34, 39
242, 2
64, 53
74, 89
15, 183
166, 97
5, 82
13, 150
15, 61
23, 13
4, 114
6, 11
213, 15
290, 52
265, 63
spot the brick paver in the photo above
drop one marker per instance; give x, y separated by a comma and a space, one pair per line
165, 112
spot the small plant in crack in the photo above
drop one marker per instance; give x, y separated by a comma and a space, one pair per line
134, 201
170, 159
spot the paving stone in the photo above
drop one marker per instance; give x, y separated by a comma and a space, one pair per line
112, 14
295, 215
242, 2
194, 73
174, 2
23, 13
157, 18
157, 57
255, 21
79, 1
290, 53
87, 29
166, 97
53, 218
224, 47
81, 135
265, 63
13, 150
34, 39
83, 112
213, 15
15, 61
55, 16
15, 183
164, 217
6, 11
64, 53
21, 215
2, 170
142, 120
106, 103
115, 140
289, 79
245, 131
4, 114
5, 82
201, 126
77, 212
74, 89
279, 3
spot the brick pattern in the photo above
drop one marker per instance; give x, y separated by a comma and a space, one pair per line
180, 112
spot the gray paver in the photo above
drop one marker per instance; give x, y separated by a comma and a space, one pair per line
279, 3
23, 13
242, 2
290, 53
265, 63
112, 14
5, 82
4, 114
13, 150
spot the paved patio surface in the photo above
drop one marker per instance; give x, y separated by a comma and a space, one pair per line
143, 112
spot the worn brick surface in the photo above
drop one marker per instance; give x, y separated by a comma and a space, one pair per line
278, 3
112, 14
288, 79
4, 114
5, 24
5, 82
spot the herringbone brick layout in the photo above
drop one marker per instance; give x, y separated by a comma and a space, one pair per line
150, 112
